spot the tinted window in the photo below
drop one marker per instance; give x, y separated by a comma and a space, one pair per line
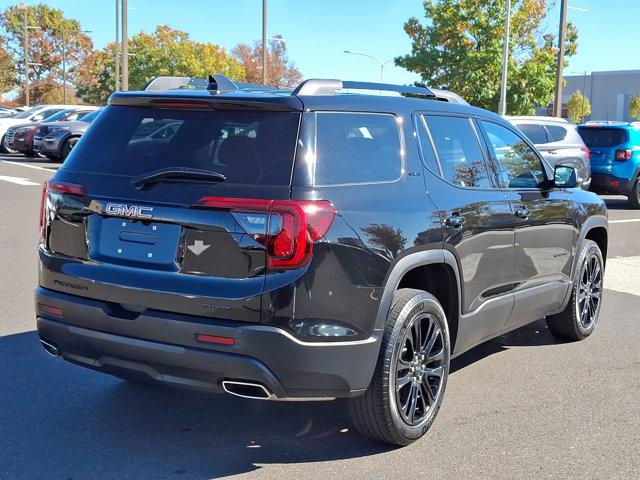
49, 113
426, 147
459, 151
57, 116
90, 116
247, 147
357, 148
557, 133
603, 137
535, 133
519, 166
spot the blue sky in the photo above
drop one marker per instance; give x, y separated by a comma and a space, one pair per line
318, 31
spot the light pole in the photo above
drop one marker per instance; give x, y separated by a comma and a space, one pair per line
380, 62
125, 48
264, 42
502, 104
117, 60
557, 106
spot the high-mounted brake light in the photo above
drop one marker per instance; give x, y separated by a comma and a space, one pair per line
623, 154
288, 228
180, 105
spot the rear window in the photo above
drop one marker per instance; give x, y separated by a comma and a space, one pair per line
603, 137
357, 148
557, 133
248, 147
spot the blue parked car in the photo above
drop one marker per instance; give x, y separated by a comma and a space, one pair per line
615, 158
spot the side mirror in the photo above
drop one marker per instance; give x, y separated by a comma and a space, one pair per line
566, 177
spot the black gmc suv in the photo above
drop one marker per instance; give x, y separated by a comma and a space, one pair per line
332, 241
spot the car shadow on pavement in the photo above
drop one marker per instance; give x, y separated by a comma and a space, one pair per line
616, 202
58, 420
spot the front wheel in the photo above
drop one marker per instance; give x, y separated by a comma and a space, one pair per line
68, 146
578, 320
408, 384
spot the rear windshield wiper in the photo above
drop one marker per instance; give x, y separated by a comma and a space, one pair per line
177, 173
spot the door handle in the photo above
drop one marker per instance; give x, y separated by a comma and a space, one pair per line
521, 212
455, 221
552, 152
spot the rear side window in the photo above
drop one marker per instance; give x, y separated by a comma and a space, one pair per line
459, 151
603, 137
557, 133
255, 147
535, 133
357, 148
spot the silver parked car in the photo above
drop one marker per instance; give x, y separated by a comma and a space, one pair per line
559, 142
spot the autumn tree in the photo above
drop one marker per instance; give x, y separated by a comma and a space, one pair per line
578, 107
51, 36
280, 70
7, 70
634, 107
459, 48
164, 52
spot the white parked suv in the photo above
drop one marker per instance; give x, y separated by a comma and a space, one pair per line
34, 114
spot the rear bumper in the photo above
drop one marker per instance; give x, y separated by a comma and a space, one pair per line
604, 183
161, 347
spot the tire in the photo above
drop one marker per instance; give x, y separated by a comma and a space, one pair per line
376, 413
67, 146
4, 148
579, 318
30, 154
634, 195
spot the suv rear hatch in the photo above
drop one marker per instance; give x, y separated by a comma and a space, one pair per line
604, 143
142, 215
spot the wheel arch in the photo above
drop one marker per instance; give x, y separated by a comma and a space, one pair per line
434, 271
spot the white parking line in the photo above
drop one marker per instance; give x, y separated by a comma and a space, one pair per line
628, 220
17, 180
28, 166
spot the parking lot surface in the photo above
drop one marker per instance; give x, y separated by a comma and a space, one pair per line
521, 406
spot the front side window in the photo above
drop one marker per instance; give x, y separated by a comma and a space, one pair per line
518, 164
357, 148
458, 151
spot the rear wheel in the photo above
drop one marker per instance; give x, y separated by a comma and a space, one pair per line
634, 195
68, 145
578, 320
408, 384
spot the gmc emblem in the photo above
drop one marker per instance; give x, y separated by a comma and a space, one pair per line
122, 210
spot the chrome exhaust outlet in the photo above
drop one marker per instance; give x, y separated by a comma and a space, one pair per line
255, 391
50, 348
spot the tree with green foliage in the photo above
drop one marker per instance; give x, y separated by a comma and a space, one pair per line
460, 48
578, 107
634, 107
51, 36
164, 52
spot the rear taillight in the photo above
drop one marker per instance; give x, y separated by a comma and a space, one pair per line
66, 188
43, 211
58, 187
287, 228
623, 154
587, 151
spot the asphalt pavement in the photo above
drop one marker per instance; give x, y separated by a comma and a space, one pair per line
521, 406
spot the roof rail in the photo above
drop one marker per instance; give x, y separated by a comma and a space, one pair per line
329, 87
447, 96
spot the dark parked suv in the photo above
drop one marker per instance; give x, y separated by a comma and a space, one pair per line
309, 244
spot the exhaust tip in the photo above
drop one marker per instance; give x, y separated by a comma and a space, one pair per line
50, 348
255, 391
